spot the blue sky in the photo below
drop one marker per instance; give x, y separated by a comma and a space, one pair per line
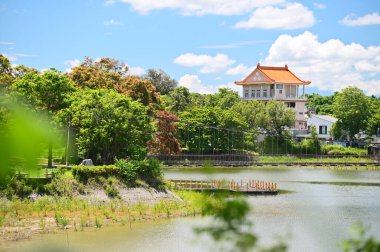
202, 44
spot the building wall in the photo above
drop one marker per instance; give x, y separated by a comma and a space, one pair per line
279, 92
318, 122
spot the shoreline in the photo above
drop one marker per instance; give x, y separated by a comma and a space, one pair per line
280, 166
47, 215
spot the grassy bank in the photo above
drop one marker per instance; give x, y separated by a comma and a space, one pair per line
20, 219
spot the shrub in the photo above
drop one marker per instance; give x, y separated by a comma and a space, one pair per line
84, 173
18, 188
110, 187
148, 170
340, 150
63, 185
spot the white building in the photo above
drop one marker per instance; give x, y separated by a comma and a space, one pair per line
322, 123
277, 83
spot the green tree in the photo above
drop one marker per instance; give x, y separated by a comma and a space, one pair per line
253, 112
225, 98
197, 135
6, 77
162, 81
180, 99
322, 104
315, 142
278, 117
374, 120
47, 92
352, 108
109, 125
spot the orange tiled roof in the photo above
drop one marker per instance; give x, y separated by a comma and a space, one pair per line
272, 75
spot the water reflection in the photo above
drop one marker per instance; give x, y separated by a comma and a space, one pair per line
315, 216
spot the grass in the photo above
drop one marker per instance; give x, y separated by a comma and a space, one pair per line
89, 214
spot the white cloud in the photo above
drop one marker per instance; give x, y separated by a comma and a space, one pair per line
220, 63
208, 64
72, 63
329, 65
6, 43
369, 19
136, 71
319, 5
9, 57
194, 84
112, 22
198, 7
235, 44
293, 16
239, 69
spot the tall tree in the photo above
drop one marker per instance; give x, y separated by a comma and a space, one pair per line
165, 139
110, 125
6, 77
47, 92
180, 99
352, 108
196, 133
253, 112
278, 118
103, 73
112, 74
161, 80
225, 98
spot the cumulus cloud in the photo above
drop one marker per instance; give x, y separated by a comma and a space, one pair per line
208, 64
139, 71
220, 63
72, 63
239, 69
293, 16
112, 22
194, 84
369, 19
196, 7
330, 65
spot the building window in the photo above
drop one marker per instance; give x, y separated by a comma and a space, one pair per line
258, 93
279, 86
253, 93
246, 93
280, 91
301, 113
291, 104
265, 92
323, 130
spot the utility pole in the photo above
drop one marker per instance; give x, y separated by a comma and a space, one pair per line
68, 144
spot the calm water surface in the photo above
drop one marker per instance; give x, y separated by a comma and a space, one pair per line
314, 217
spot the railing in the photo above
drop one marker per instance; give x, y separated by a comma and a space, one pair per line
215, 160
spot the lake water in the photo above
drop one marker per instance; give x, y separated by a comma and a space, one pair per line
315, 216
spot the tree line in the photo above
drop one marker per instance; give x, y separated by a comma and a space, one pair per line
113, 114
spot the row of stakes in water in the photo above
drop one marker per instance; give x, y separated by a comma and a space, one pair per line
250, 185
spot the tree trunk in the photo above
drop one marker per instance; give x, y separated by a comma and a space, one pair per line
50, 156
